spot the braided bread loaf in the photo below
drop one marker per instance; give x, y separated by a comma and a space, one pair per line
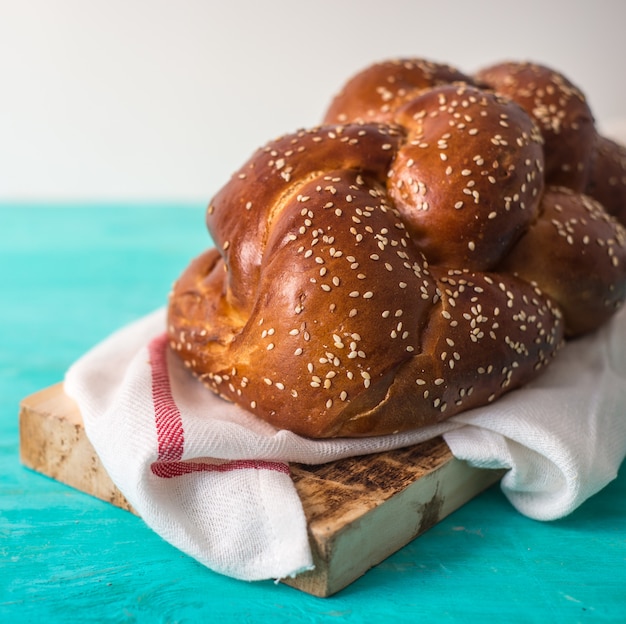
421, 253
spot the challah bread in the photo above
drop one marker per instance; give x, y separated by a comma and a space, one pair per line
384, 273
321, 314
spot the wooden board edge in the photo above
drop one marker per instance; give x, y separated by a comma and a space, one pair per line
351, 552
53, 443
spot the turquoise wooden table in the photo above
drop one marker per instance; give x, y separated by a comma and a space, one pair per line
70, 275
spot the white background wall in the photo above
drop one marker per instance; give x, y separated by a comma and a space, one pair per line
158, 99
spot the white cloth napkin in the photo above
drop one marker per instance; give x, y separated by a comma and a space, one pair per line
214, 481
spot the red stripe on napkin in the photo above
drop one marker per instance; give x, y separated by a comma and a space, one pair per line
169, 427
176, 469
169, 424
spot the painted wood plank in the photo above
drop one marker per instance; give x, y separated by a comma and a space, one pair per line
359, 510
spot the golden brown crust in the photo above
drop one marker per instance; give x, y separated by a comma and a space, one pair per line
336, 316
245, 210
388, 272
561, 111
577, 252
487, 334
468, 179
375, 93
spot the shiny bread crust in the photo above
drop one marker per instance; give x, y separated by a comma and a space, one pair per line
383, 271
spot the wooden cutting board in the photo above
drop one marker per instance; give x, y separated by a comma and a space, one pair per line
359, 510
